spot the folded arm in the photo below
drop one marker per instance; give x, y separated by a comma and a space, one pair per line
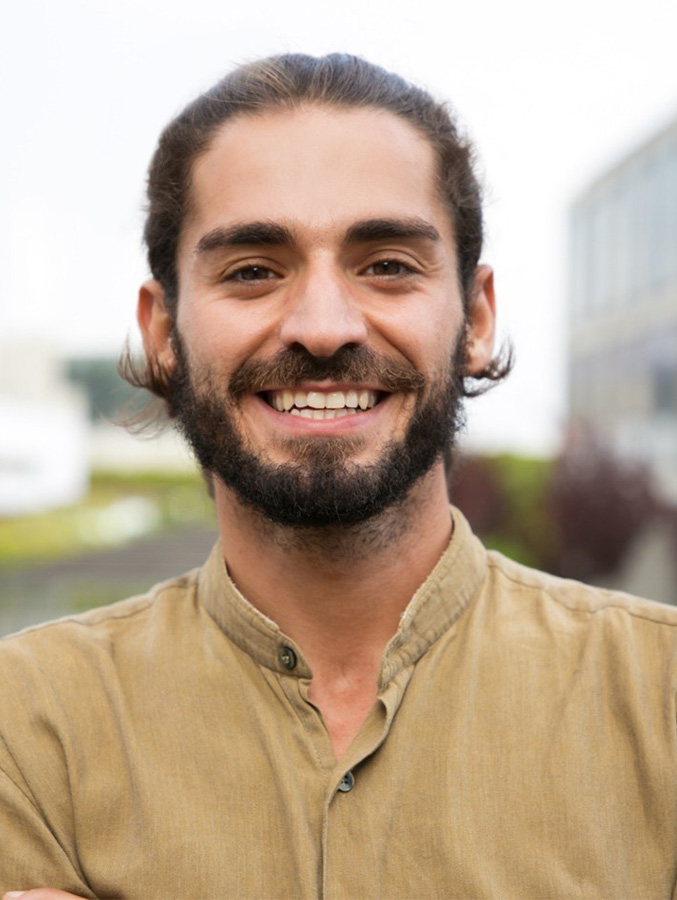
30, 853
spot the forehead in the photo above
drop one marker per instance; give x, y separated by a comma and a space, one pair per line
315, 168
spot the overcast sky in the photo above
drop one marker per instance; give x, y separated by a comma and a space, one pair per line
552, 94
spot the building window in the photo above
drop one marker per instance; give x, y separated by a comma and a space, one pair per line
665, 389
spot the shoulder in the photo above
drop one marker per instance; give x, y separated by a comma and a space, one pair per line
69, 681
530, 586
572, 636
55, 651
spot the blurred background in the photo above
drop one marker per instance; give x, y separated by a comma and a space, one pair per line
570, 466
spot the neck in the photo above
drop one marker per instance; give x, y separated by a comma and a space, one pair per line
329, 587
339, 593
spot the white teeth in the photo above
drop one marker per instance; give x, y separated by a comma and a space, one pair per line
336, 402
351, 399
317, 400
309, 413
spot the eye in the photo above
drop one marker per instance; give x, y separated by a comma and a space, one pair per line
388, 268
251, 273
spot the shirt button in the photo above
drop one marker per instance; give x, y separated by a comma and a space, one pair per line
287, 657
347, 783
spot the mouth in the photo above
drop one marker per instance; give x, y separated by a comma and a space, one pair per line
322, 405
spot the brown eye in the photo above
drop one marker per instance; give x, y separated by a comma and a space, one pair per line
252, 273
388, 267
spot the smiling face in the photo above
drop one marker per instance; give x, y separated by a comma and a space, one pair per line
320, 324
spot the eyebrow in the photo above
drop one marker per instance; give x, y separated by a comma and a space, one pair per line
262, 234
271, 234
391, 229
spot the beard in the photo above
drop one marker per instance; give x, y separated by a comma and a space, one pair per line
322, 488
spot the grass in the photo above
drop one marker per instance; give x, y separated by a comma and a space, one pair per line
118, 507
121, 507
526, 531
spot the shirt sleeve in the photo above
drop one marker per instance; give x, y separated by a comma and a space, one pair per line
30, 854
38, 847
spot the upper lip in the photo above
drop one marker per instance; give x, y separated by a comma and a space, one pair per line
323, 387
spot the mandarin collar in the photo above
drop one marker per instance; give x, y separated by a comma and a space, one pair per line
434, 608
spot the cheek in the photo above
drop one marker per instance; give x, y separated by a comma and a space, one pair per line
429, 348
219, 335
447, 331
424, 331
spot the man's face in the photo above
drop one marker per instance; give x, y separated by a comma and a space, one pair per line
320, 325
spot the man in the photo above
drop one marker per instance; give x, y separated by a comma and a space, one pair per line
352, 698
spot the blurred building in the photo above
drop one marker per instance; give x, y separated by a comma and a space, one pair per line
57, 424
43, 431
623, 310
111, 400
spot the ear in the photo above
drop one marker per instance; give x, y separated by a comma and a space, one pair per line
155, 323
481, 321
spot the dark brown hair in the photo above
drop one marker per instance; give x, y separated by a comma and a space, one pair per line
286, 82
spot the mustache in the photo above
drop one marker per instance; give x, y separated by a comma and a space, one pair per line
291, 367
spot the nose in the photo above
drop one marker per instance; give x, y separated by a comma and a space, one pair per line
322, 315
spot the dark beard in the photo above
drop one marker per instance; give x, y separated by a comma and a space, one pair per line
323, 488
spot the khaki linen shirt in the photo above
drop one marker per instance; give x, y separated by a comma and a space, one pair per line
523, 746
